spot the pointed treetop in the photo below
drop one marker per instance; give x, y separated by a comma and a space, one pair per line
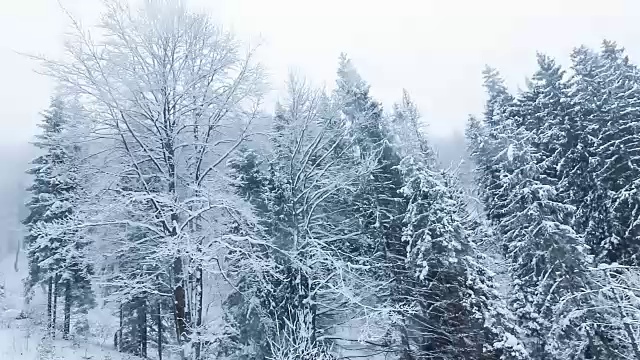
547, 63
499, 97
549, 74
493, 82
348, 76
407, 110
474, 125
611, 48
583, 60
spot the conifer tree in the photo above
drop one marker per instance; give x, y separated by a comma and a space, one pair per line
577, 169
458, 312
491, 142
618, 150
55, 252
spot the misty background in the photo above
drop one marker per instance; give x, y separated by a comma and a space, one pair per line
436, 49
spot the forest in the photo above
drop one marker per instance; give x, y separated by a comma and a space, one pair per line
326, 228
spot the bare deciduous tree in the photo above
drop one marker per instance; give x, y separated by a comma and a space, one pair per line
169, 96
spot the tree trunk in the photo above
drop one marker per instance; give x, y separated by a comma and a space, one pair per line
50, 307
67, 309
634, 343
15, 263
119, 344
55, 308
180, 301
142, 327
406, 347
159, 329
605, 344
199, 290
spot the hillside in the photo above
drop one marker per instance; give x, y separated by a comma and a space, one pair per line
23, 339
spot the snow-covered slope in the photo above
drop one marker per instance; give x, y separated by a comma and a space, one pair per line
23, 339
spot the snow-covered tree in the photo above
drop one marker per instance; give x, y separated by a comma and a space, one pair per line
458, 311
489, 142
301, 193
57, 256
617, 148
171, 96
551, 202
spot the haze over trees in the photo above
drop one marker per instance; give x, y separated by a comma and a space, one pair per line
328, 229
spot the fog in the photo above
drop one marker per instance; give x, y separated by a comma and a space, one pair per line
435, 49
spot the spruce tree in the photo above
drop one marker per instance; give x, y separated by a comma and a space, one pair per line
490, 144
458, 314
618, 149
56, 253
578, 169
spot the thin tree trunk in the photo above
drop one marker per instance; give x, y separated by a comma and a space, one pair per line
179, 299
55, 307
199, 290
119, 344
634, 343
142, 327
67, 310
179, 294
15, 263
159, 329
406, 351
605, 344
50, 307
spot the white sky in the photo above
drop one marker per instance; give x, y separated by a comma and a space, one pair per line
436, 49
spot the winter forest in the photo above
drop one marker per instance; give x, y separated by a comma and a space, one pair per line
204, 224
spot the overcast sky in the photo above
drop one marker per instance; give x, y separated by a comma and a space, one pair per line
436, 49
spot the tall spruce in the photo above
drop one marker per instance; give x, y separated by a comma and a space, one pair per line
458, 312
56, 253
618, 149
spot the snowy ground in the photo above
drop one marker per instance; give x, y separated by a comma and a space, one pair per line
22, 339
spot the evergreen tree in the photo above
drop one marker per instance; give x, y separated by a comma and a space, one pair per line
55, 252
547, 259
543, 111
378, 200
543, 145
459, 315
490, 144
618, 149
577, 170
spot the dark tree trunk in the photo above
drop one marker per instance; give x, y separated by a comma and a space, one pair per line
198, 343
180, 301
55, 308
67, 310
142, 327
159, 329
119, 343
179, 293
15, 263
406, 347
50, 307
